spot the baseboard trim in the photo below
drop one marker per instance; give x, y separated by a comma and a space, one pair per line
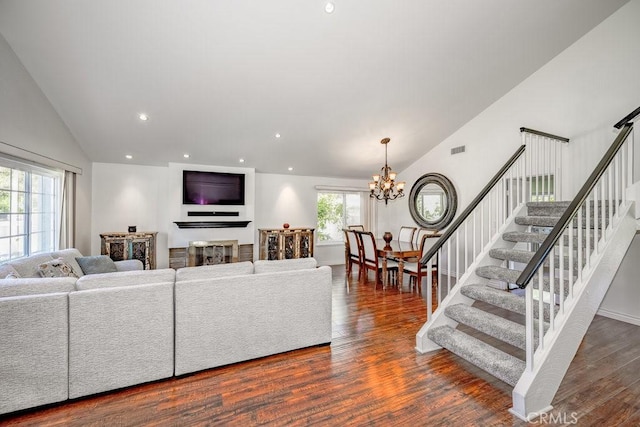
619, 316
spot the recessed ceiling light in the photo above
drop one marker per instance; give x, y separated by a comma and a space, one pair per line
143, 117
290, 168
277, 135
329, 7
185, 155
241, 160
129, 156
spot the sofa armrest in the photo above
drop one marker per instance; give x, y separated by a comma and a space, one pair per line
129, 265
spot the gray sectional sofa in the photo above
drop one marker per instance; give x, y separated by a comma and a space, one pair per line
63, 338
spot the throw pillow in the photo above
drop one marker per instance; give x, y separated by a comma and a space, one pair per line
96, 264
8, 272
56, 268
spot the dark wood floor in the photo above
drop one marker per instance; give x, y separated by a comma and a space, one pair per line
369, 375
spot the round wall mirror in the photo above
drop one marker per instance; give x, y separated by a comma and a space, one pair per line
433, 201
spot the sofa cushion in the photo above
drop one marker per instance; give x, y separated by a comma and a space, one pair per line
264, 266
216, 270
35, 286
96, 264
129, 265
125, 278
56, 268
8, 272
69, 256
28, 266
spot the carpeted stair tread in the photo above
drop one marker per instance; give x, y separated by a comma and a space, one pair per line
496, 362
502, 299
515, 255
550, 221
523, 257
498, 273
498, 327
532, 237
511, 276
537, 221
547, 208
524, 236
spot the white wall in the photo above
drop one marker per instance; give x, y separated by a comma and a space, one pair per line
29, 122
585, 89
127, 195
292, 199
622, 301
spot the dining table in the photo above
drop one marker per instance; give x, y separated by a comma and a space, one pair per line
400, 251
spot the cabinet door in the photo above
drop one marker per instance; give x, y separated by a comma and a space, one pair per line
289, 245
305, 244
116, 249
273, 246
139, 249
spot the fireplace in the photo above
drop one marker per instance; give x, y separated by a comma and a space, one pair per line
212, 252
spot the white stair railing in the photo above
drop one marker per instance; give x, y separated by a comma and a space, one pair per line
577, 242
532, 173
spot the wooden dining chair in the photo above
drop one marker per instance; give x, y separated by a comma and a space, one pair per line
356, 227
417, 238
370, 259
352, 252
414, 268
406, 233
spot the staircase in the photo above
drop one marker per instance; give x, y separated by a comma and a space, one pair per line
540, 218
518, 282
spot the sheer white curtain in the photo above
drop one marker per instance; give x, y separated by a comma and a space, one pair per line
67, 238
370, 213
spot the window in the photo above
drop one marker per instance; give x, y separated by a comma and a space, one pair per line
542, 188
336, 210
29, 209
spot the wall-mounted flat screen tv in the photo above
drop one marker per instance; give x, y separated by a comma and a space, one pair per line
212, 188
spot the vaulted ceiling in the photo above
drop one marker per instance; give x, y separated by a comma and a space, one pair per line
220, 78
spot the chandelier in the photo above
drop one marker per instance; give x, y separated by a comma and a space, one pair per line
384, 186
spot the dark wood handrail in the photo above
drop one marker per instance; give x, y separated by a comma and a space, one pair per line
543, 252
465, 214
632, 115
544, 134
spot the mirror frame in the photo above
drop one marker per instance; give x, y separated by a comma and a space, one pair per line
450, 193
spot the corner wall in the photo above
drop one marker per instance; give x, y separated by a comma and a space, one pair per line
29, 122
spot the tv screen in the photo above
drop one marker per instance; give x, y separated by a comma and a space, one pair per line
212, 188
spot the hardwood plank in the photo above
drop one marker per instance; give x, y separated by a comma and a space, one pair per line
369, 375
